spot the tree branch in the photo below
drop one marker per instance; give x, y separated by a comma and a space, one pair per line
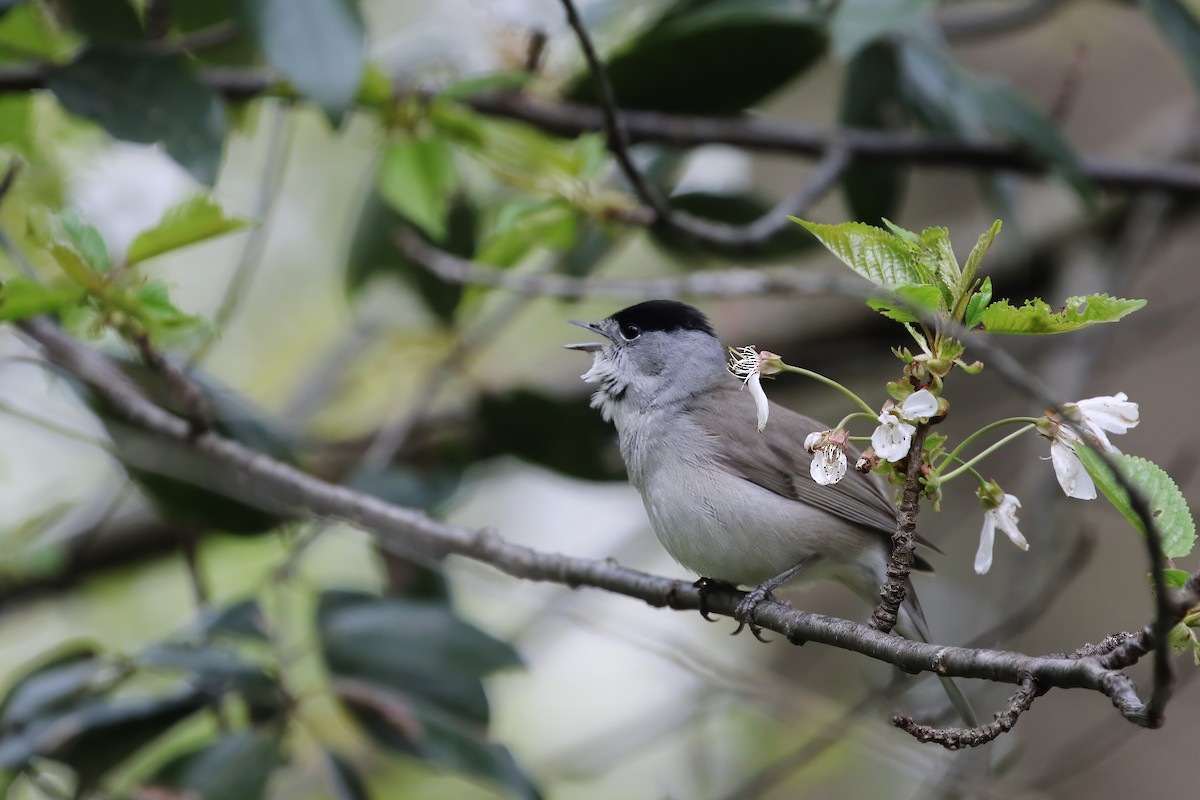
255, 478
712, 283
904, 543
958, 738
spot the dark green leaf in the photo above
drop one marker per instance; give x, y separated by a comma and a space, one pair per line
417, 177
21, 298
859, 23
1035, 316
243, 619
424, 731
102, 20
215, 669
419, 649
405, 486
188, 16
871, 99
949, 99
373, 252
16, 123
57, 682
714, 57
1168, 506
140, 97
1180, 28
515, 423
194, 220
320, 45
348, 784
100, 734
234, 767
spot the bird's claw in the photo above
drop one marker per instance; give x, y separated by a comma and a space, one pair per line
745, 610
707, 586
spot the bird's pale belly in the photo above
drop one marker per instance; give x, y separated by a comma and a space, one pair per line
749, 534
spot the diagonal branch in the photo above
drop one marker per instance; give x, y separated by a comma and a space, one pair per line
255, 478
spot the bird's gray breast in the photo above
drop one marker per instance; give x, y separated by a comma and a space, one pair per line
719, 524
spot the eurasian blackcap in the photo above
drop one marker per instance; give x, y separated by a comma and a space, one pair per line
727, 501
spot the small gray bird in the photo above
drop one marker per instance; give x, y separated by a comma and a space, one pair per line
728, 502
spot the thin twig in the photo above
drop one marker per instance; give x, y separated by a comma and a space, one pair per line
189, 394
618, 139
958, 738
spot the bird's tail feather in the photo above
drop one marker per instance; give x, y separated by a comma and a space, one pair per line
912, 621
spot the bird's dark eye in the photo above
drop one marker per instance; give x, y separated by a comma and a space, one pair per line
630, 331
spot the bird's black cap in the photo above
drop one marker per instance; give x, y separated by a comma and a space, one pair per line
663, 315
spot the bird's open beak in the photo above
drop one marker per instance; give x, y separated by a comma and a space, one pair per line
587, 347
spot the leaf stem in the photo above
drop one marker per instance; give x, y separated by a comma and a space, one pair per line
985, 429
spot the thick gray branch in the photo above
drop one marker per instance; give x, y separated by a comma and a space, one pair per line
268, 482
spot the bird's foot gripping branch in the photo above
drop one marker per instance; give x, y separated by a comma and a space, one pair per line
921, 286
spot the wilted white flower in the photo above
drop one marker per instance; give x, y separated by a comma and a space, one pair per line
828, 465
1005, 516
750, 365
1096, 415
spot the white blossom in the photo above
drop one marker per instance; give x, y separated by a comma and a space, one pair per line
828, 465
1004, 516
1096, 415
892, 438
814, 439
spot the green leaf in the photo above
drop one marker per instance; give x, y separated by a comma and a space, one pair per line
215, 669
417, 177
711, 56
884, 258
320, 45
102, 20
871, 99
1179, 27
194, 220
234, 767
978, 304
87, 240
348, 784
1167, 504
522, 225
141, 97
912, 296
151, 302
939, 256
973, 260
243, 619
858, 23
21, 298
1176, 578
1035, 316
189, 16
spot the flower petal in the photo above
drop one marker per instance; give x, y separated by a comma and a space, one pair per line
1006, 518
1072, 477
919, 405
1111, 413
892, 438
987, 538
761, 405
828, 465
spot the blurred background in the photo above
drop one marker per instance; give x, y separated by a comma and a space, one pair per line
328, 127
